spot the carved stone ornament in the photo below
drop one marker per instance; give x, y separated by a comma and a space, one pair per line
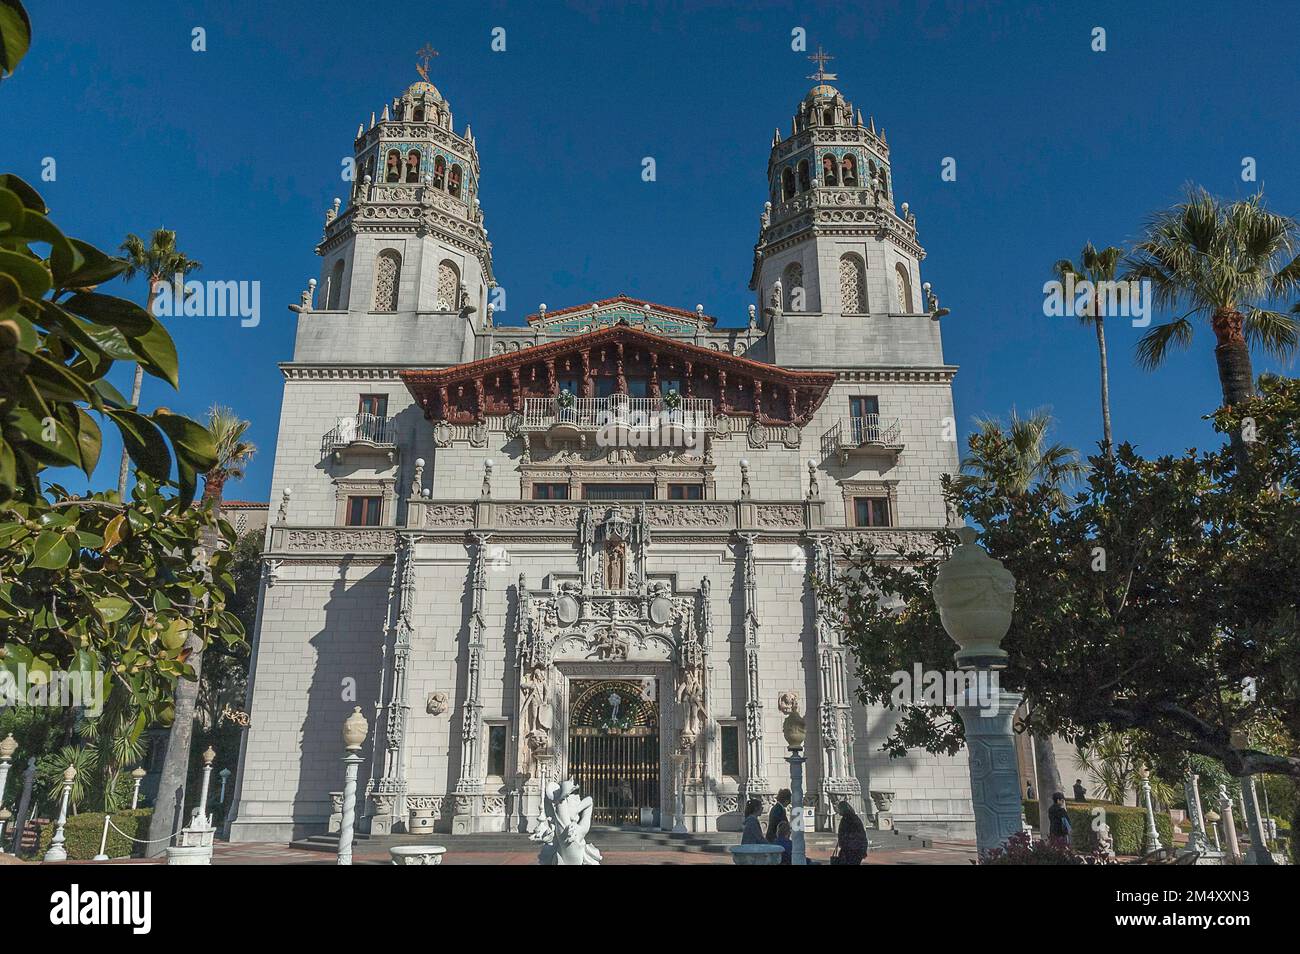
437, 704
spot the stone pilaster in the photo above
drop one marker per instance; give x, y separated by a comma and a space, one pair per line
756, 782
387, 789
468, 797
834, 711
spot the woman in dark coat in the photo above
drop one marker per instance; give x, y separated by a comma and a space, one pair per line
752, 833
851, 845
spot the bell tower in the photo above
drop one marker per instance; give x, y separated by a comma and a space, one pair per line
832, 246
411, 238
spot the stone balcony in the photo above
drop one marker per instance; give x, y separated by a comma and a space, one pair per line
577, 414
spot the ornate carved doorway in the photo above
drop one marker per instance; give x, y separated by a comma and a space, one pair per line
614, 746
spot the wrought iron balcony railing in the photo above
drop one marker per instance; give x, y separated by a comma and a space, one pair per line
369, 430
868, 432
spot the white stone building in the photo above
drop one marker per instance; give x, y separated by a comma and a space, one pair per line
480, 549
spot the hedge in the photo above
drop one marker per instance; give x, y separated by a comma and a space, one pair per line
82, 833
1128, 826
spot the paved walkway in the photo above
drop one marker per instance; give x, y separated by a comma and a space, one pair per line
259, 853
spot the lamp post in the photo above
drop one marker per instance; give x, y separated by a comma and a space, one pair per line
56, 850
354, 733
1153, 833
8, 746
1212, 821
208, 757
1196, 840
224, 775
137, 776
795, 730
975, 595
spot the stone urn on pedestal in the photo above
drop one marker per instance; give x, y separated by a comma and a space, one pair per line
975, 596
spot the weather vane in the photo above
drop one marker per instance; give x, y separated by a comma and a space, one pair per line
425, 53
821, 58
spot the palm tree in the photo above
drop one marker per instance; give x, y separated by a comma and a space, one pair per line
1014, 461
1228, 263
233, 454
1096, 267
159, 260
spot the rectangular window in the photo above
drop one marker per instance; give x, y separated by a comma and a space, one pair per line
364, 511
496, 750
550, 491
618, 491
871, 511
638, 387
605, 386
730, 750
685, 492
376, 404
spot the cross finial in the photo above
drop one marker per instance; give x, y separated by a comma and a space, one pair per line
821, 58
425, 53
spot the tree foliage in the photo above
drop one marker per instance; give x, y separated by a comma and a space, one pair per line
1162, 598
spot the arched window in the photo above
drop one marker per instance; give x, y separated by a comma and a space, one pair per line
439, 172
388, 274
791, 279
393, 166
853, 285
787, 183
828, 117
804, 184
904, 284
849, 170
448, 294
453, 182
829, 173
413, 166
334, 294
419, 114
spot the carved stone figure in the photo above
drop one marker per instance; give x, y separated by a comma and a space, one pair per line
563, 832
534, 709
690, 695
616, 567
436, 704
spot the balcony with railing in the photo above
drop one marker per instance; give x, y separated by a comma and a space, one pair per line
576, 414
372, 432
869, 433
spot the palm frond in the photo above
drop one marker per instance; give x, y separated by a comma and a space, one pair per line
1276, 333
1157, 343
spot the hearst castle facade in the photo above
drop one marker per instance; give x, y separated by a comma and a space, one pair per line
585, 547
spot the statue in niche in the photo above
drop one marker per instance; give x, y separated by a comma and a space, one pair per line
690, 696
534, 709
616, 567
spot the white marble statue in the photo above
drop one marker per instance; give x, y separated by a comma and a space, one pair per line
564, 830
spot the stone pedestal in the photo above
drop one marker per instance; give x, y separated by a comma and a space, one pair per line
194, 846
416, 854
994, 775
756, 854
884, 805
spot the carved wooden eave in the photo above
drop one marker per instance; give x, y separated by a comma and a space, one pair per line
499, 385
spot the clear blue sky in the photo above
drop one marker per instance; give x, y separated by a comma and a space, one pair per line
239, 148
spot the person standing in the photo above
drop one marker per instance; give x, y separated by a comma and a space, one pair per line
752, 833
1058, 819
1080, 793
784, 840
851, 843
778, 814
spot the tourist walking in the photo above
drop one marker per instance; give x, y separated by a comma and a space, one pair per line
1058, 819
782, 838
752, 833
778, 814
851, 843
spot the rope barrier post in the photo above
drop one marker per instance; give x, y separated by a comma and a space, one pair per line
103, 840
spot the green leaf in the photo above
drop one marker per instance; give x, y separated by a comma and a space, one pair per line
126, 316
30, 273
157, 353
144, 443
15, 35
31, 199
56, 382
98, 267
112, 608
52, 551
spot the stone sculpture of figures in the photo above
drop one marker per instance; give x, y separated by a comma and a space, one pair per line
690, 695
563, 832
615, 568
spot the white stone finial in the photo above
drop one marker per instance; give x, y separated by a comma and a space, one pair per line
699, 310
